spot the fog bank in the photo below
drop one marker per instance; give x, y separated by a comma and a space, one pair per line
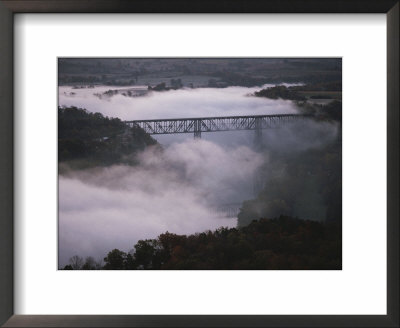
174, 190
201, 102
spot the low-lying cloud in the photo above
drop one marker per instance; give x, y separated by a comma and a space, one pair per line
300, 135
173, 190
201, 102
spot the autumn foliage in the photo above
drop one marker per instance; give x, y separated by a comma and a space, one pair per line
283, 243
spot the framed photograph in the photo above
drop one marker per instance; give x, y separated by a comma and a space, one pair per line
208, 164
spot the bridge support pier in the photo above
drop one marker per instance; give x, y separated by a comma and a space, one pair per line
197, 129
257, 134
258, 182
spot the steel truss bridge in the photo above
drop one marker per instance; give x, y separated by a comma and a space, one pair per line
218, 124
215, 124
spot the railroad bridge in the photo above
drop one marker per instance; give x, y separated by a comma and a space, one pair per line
215, 124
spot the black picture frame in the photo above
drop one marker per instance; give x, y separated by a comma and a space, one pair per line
7, 10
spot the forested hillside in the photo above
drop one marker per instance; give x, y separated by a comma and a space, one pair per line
283, 243
306, 185
90, 138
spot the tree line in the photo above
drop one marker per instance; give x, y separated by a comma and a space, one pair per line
283, 243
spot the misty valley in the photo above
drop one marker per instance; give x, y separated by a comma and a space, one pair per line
199, 164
